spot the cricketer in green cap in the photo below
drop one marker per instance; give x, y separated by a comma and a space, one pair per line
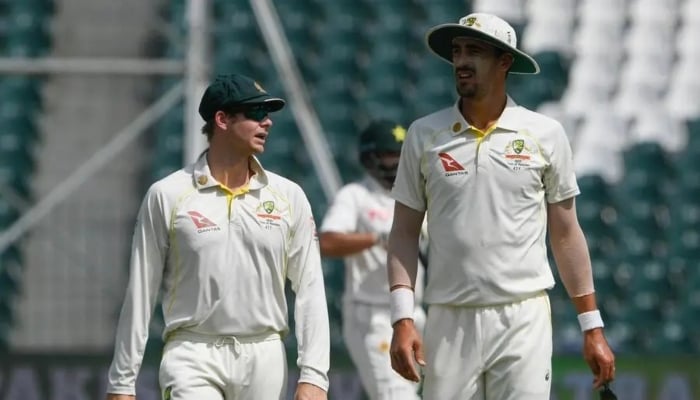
380, 147
235, 91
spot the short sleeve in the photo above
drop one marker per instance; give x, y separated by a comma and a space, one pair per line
559, 177
342, 215
409, 186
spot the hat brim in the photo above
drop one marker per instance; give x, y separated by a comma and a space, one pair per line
439, 40
271, 103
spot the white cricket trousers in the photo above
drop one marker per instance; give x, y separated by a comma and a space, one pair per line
203, 367
367, 333
501, 352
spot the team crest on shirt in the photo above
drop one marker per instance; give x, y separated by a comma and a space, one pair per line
518, 145
267, 214
518, 154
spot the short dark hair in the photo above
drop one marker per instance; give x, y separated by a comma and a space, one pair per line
208, 129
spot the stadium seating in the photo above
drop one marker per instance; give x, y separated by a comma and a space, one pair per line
595, 208
11, 272
550, 11
511, 10
24, 32
683, 96
20, 90
547, 32
549, 85
168, 143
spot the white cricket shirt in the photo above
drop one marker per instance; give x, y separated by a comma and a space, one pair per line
365, 207
222, 259
485, 195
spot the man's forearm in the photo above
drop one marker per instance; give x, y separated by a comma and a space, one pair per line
402, 260
402, 264
574, 263
336, 244
584, 303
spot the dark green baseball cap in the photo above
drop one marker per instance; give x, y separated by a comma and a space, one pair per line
229, 91
382, 136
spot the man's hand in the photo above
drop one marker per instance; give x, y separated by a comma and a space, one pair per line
112, 396
599, 357
308, 391
382, 239
406, 347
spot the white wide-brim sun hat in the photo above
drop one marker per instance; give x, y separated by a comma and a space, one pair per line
488, 28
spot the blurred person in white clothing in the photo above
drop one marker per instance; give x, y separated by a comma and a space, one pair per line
356, 227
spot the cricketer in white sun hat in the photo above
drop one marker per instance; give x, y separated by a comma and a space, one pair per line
486, 27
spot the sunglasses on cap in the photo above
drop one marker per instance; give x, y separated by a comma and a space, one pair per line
607, 393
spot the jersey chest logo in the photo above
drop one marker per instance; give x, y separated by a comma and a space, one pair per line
450, 165
271, 215
518, 154
202, 223
378, 214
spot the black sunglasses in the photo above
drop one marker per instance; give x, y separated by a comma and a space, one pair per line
256, 113
607, 393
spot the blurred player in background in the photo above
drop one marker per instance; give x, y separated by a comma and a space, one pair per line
356, 227
222, 236
493, 177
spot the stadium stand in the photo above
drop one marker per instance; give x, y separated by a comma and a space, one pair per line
23, 33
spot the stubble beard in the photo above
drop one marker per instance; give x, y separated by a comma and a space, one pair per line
467, 91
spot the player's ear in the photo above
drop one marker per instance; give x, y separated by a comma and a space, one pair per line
506, 61
221, 119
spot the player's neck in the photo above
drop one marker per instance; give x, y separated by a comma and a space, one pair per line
233, 171
482, 113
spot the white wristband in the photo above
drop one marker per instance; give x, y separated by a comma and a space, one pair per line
402, 304
590, 320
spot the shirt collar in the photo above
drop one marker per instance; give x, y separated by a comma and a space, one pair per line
259, 179
204, 179
508, 119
